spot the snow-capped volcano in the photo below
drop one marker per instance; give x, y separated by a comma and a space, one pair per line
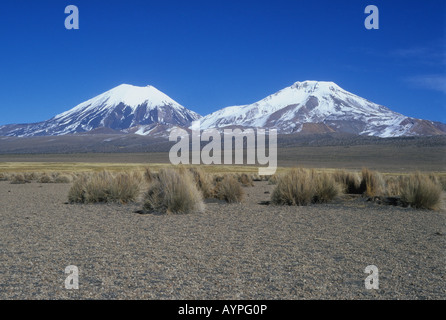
125, 108
306, 107
318, 106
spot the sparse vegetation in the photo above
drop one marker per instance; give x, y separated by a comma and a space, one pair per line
393, 186
175, 192
294, 188
229, 189
372, 183
301, 187
104, 187
203, 182
44, 178
245, 180
18, 178
4, 176
326, 188
420, 191
350, 181
273, 179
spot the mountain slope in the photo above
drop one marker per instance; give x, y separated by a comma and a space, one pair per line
311, 107
125, 108
316, 107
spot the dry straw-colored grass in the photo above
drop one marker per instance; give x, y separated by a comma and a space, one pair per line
372, 183
18, 178
228, 188
301, 187
350, 181
203, 181
105, 187
420, 191
173, 192
245, 180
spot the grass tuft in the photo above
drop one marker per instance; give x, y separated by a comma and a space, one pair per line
104, 187
421, 192
173, 192
229, 189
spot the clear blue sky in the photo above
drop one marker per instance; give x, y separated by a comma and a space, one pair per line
211, 54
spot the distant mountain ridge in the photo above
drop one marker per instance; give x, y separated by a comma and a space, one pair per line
308, 107
124, 109
319, 107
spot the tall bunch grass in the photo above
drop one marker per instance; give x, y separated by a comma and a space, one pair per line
173, 192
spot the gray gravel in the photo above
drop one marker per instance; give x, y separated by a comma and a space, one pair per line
241, 251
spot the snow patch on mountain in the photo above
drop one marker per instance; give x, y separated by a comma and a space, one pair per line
313, 102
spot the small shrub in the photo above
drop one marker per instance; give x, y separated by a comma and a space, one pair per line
4, 176
372, 182
393, 187
438, 179
104, 187
63, 178
149, 176
273, 179
245, 180
256, 177
203, 182
294, 188
77, 192
442, 180
18, 178
124, 188
174, 191
301, 187
44, 178
419, 191
229, 189
350, 181
30, 176
326, 188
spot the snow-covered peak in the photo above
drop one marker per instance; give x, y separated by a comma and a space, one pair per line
322, 102
134, 96
129, 95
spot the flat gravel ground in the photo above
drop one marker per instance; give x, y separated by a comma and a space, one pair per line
240, 251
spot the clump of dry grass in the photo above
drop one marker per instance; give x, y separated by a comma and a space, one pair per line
393, 186
203, 181
256, 177
372, 183
326, 187
149, 175
438, 179
63, 178
419, 191
30, 176
18, 178
229, 189
273, 179
174, 191
295, 188
104, 187
245, 180
54, 177
4, 176
44, 178
442, 181
301, 187
350, 181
